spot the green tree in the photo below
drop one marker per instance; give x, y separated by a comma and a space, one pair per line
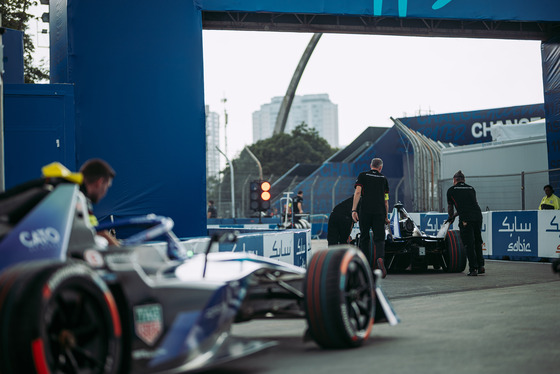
277, 155
281, 152
15, 15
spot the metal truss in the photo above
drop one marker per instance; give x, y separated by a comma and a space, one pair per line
346, 24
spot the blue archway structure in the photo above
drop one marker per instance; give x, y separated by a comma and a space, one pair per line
137, 72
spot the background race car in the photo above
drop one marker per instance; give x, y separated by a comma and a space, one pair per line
408, 248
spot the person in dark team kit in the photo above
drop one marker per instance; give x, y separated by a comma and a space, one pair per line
297, 206
340, 223
212, 211
98, 177
372, 187
462, 197
298, 203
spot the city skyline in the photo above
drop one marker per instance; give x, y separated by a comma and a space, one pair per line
213, 132
316, 110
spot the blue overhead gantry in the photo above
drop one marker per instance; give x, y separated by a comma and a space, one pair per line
137, 75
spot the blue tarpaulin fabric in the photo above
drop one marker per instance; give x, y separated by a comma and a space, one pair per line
139, 97
551, 85
551, 65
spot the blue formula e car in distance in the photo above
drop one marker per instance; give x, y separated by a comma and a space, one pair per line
69, 303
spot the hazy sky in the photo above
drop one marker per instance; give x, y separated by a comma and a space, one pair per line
369, 77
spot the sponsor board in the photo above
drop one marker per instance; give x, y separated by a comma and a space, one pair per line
486, 232
549, 233
279, 247
430, 223
515, 234
249, 243
302, 248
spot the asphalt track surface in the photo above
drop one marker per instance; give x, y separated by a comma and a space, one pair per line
506, 321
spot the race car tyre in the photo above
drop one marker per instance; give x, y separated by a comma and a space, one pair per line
454, 255
339, 297
57, 318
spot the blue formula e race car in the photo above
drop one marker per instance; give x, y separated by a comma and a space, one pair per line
69, 303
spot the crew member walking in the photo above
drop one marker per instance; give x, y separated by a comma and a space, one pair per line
372, 187
462, 197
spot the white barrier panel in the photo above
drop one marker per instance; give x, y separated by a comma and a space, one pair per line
289, 246
486, 234
549, 233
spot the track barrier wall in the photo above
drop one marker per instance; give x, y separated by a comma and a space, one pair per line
289, 246
529, 235
507, 235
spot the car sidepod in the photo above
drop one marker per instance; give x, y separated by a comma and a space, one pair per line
180, 325
200, 337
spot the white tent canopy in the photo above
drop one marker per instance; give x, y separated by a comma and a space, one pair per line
518, 131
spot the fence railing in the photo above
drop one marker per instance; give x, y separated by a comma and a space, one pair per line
519, 191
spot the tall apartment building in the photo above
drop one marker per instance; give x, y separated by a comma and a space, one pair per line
212, 141
317, 111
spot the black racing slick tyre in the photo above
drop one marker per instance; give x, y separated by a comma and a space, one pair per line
454, 254
57, 318
339, 297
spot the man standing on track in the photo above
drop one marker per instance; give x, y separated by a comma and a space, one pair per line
372, 187
463, 197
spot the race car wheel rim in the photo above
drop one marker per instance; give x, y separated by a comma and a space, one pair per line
75, 336
358, 296
61, 318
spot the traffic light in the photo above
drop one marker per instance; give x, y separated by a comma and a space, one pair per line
259, 195
265, 195
254, 195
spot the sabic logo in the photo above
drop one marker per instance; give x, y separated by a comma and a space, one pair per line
519, 246
39, 238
